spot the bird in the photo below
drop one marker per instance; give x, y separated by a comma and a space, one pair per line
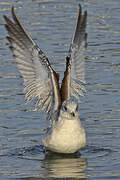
60, 101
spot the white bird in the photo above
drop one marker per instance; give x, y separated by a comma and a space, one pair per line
66, 134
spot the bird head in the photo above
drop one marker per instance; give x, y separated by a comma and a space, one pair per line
69, 109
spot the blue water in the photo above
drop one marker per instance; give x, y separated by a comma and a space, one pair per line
51, 24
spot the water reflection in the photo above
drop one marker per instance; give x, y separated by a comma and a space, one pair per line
48, 22
45, 164
65, 166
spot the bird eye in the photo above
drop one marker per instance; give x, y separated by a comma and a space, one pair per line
65, 108
77, 108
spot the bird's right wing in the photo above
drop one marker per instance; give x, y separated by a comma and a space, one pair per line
74, 74
39, 78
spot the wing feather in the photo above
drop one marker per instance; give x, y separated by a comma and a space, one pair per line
33, 65
74, 76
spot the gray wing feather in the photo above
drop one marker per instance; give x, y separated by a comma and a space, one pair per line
32, 63
77, 56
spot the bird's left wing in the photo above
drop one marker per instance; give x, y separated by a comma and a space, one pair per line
74, 74
39, 78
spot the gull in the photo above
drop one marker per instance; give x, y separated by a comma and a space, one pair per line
66, 133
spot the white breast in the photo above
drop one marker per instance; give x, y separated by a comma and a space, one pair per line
67, 136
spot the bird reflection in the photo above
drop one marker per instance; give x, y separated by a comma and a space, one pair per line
61, 166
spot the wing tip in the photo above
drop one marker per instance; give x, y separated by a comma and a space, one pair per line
13, 10
81, 22
5, 17
80, 7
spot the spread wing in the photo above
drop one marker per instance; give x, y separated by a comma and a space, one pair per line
39, 78
72, 84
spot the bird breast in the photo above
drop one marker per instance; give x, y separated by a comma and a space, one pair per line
67, 136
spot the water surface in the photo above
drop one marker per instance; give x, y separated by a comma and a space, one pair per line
51, 24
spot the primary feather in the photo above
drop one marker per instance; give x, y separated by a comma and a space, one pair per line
32, 63
75, 72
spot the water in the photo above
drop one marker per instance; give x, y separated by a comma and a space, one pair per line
51, 24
